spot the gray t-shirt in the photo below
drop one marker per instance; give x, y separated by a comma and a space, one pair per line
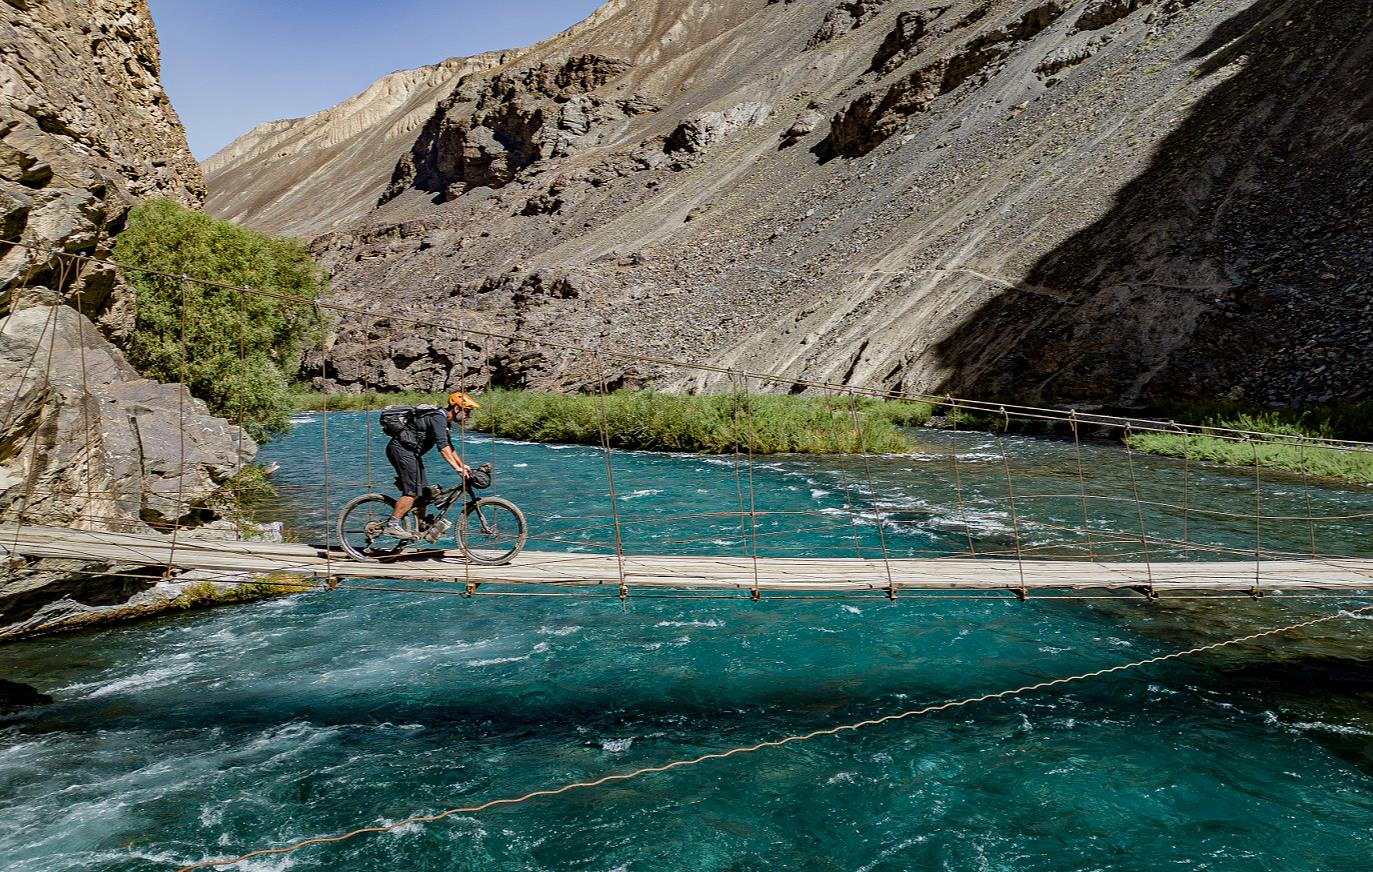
431, 428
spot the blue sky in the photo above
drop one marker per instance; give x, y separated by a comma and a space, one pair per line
229, 65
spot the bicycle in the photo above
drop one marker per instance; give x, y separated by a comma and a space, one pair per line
491, 530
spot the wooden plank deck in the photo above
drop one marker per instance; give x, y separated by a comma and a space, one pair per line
695, 572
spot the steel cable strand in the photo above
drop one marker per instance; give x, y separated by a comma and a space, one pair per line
610, 482
30, 475
872, 495
844, 476
1082, 487
752, 499
1010, 498
49, 323
1139, 510
957, 479
771, 743
738, 479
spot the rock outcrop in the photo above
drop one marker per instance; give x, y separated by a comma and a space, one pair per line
1093, 200
85, 441
489, 129
303, 176
85, 131
15, 696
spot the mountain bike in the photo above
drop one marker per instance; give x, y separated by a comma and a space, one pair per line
491, 530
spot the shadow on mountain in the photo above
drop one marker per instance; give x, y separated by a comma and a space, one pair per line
1239, 263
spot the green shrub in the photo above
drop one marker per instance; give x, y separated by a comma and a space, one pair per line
1347, 465
234, 350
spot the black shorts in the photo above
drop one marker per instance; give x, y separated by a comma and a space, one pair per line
410, 480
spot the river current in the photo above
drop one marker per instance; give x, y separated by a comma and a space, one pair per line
219, 732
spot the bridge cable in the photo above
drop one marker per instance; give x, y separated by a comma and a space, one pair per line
1082, 487
772, 743
872, 495
1139, 510
1010, 497
957, 480
837, 436
610, 483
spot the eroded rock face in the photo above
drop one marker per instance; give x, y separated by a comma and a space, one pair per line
85, 130
491, 128
87, 442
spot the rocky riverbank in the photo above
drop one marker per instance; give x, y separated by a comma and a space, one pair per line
85, 131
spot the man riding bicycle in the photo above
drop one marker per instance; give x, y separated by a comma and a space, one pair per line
428, 427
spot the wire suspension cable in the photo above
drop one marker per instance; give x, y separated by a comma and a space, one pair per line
772, 743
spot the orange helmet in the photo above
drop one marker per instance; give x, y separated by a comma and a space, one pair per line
462, 401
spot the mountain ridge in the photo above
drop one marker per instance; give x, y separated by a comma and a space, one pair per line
919, 196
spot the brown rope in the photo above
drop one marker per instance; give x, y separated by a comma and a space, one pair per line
840, 446
1139, 510
30, 478
1010, 498
1258, 522
752, 499
957, 480
772, 743
610, 481
872, 496
1186, 482
1082, 488
1306, 493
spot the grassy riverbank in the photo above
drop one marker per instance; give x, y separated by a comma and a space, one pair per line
1291, 456
706, 424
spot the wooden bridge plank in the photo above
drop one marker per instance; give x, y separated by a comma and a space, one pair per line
695, 572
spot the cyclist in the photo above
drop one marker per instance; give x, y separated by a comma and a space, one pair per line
428, 427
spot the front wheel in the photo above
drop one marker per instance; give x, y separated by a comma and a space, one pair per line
360, 526
491, 531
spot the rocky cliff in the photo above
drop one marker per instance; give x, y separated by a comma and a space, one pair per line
1092, 200
85, 130
303, 176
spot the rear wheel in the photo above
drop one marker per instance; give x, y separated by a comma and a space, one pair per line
360, 526
491, 531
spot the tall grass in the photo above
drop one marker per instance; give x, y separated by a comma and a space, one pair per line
704, 424
1344, 464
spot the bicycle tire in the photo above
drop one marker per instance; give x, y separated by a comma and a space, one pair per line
494, 544
352, 529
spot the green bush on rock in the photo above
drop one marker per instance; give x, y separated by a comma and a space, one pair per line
234, 350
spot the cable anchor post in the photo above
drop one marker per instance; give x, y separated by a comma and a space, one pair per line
470, 590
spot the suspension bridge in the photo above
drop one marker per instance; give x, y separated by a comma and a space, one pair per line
1142, 559
1289, 547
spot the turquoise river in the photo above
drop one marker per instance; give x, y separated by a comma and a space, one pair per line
215, 733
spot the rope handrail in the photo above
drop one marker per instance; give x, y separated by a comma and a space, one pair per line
988, 407
771, 743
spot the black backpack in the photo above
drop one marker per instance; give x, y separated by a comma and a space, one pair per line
398, 422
